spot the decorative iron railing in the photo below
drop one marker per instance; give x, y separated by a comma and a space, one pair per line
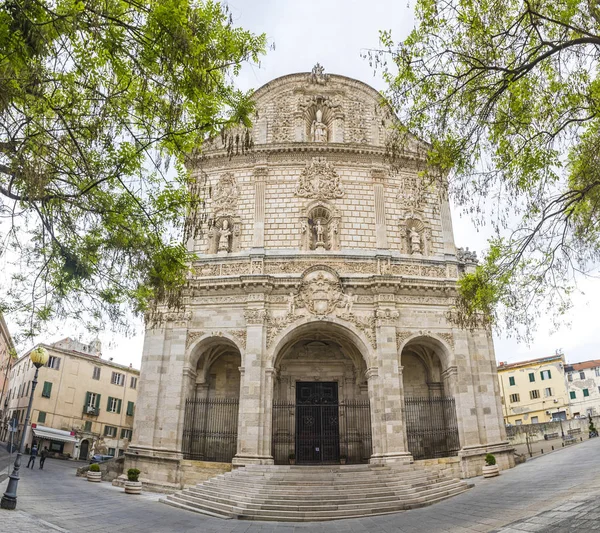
322, 433
210, 429
431, 427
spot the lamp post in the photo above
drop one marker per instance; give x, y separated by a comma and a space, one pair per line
39, 357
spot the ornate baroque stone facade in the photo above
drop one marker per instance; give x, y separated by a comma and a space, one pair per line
319, 264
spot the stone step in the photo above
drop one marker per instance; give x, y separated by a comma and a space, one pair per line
351, 512
323, 493
324, 478
291, 494
275, 502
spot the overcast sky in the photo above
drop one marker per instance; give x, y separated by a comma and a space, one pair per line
334, 33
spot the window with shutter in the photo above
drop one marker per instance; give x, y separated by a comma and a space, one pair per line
130, 408
41, 417
47, 390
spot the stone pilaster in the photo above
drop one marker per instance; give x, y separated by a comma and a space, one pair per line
260, 175
388, 413
252, 387
380, 222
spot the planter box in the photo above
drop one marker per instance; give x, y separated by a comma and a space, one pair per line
94, 477
133, 487
491, 471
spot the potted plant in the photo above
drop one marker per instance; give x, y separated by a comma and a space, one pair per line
132, 485
343, 459
292, 458
93, 474
491, 468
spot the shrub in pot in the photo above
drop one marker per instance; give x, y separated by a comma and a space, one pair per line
93, 474
292, 458
491, 468
133, 485
343, 459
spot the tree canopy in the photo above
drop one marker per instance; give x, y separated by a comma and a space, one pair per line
101, 101
507, 93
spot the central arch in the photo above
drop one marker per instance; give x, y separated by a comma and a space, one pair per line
321, 408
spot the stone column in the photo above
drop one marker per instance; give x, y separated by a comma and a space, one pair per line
252, 411
390, 413
260, 176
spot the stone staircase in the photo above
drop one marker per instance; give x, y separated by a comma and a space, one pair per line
314, 493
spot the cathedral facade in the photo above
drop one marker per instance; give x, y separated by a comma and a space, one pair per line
315, 325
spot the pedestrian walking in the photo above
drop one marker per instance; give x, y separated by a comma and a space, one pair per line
32, 457
43, 455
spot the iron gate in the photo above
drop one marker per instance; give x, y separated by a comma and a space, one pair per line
431, 427
210, 429
318, 429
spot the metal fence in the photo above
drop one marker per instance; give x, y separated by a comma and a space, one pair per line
322, 433
210, 429
431, 427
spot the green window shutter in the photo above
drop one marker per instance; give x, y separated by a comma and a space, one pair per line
511, 380
549, 374
88, 425
87, 399
47, 389
130, 408
572, 394
532, 377
108, 403
586, 392
118, 406
41, 417
98, 396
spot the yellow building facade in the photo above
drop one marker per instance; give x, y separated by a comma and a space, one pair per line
534, 391
82, 405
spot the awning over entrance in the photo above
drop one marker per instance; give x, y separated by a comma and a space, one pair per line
59, 435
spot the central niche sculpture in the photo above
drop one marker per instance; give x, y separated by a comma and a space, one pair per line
320, 230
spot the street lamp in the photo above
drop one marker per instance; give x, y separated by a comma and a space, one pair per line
39, 357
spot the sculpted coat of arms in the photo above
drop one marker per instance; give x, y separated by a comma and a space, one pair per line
319, 180
320, 293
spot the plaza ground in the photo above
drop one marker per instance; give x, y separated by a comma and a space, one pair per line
554, 493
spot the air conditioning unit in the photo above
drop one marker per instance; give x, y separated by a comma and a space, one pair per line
548, 413
90, 410
555, 400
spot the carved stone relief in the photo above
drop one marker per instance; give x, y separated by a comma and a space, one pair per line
192, 336
319, 181
318, 76
387, 317
411, 194
255, 316
320, 293
226, 195
415, 236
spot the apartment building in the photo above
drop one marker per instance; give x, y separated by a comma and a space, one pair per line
7, 358
583, 385
534, 391
82, 405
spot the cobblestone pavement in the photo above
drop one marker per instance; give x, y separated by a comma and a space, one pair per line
558, 492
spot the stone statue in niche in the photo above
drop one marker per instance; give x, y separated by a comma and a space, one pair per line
318, 130
225, 238
319, 232
415, 242
415, 236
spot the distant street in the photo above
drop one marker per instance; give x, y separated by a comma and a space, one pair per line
558, 492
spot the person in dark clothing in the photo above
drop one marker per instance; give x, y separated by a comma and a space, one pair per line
32, 456
43, 455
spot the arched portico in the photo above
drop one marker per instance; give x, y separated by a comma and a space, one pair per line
430, 411
321, 408
210, 427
